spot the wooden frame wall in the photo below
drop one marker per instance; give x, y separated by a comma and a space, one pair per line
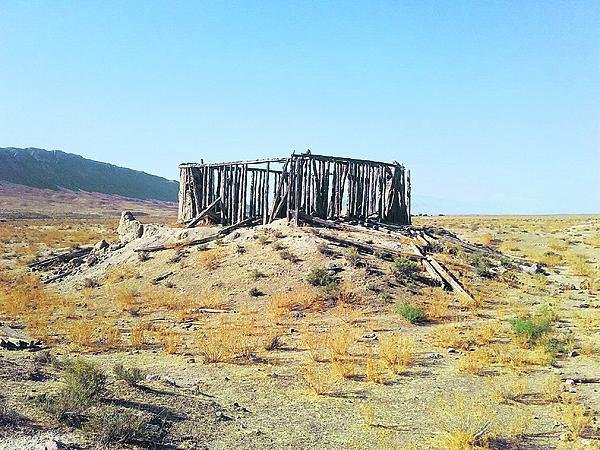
321, 186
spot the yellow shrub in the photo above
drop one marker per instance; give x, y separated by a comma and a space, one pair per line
575, 416
282, 303
171, 342
211, 259
558, 245
317, 346
375, 371
551, 388
452, 336
137, 337
81, 333
344, 368
339, 340
475, 362
319, 380
397, 352
508, 387
437, 303
460, 419
212, 346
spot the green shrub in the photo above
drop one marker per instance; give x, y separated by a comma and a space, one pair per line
83, 385
530, 328
131, 375
352, 256
322, 278
413, 314
112, 425
405, 268
559, 345
482, 265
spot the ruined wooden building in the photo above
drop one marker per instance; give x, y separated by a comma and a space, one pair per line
326, 187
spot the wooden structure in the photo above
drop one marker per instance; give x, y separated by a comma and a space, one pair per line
320, 186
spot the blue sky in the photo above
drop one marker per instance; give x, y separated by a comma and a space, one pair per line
495, 106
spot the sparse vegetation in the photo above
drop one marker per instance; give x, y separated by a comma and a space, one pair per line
414, 314
323, 278
131, 375
213, 332
405, 268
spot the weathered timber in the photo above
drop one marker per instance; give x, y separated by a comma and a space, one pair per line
386, 253
59, 259
323, 186
204, 212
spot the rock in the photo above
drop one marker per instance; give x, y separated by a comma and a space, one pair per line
370, 337
434, 356
129, 228
584, 305
570, 382
101, 245
533, 269
451, 350
333, 268
221, 416
91, 259
573, 353
53, 445
169, 381
153, 377
298, 314
293, 330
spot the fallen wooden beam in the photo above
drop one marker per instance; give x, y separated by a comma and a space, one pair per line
161, 277
428, 266
447, 276
367, 248
203, 213
63, 257
205, 240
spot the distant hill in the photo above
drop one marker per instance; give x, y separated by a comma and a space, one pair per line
54, 170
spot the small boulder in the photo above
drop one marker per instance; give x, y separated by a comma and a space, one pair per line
101, 245
129, 228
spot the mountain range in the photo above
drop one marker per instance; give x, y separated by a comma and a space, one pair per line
57, 170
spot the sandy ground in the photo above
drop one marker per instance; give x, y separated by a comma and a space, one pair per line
265, 399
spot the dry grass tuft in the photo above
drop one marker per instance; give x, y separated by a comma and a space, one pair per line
476, 362
211, 259
376, 371
397, 352
507, 388
282, 303
463, 421
575, 415
319, 380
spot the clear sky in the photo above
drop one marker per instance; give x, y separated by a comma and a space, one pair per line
495, 106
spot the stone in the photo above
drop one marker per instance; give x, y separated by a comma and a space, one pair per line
53, 445
129, 228
573, 353
451, 350
91, 259
298, 314
152, 377
434, 356
101, 245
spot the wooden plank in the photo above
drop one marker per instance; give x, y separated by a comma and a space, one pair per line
199, 217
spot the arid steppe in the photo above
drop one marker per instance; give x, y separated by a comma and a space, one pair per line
226, 344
